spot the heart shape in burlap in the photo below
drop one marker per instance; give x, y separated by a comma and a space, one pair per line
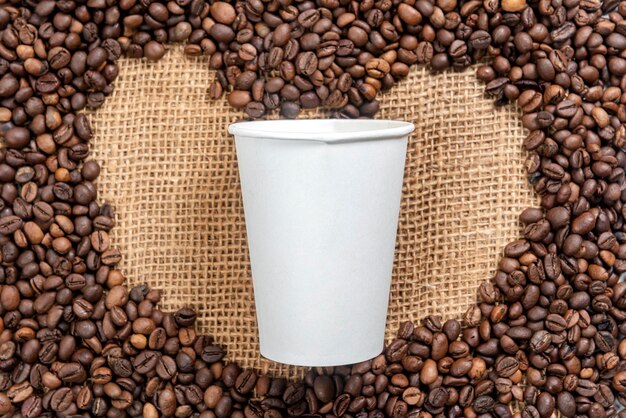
170, 170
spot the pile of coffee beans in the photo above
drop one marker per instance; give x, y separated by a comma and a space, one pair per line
547, 332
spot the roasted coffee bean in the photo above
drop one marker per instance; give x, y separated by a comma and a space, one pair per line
507, 366
484, 404
324, 388
293, 394
17, 137
566, 404
555, 323
10, 224
212, 354
341, 404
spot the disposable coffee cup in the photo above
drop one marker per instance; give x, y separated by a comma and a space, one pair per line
321, 201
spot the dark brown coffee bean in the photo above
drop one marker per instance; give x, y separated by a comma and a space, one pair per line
246, 381
290, 110
484, 404
153, 51
507, 366
32, 407
341, 404
480, 40
72, 373
306, 63
584, 223
540, 341
17, 138
145, 362
555, 323
9, 85
324, 388
309, 18
61, 399
212, 354
438, 397
222, 33
10, 224
566, 404
293, 394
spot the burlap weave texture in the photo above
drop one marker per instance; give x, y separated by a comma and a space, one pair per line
169, 168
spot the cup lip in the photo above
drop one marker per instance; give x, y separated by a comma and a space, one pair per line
332, 130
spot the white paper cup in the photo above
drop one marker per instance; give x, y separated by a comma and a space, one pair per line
321, 200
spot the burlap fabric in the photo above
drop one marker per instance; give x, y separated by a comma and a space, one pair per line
169, 168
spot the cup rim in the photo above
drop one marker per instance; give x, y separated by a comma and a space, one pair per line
323, 130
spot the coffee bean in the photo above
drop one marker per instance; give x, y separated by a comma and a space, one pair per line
247, 52
32, 407
484, 404
212, 354
377, 68
9, 85
145, 362
306, 63
166, 367
413, 396
246, 381
309, 18
324, 388
341, 404
153, 51
10, 224
17, 137
566, 404
507, 366
212, 396
289, 110
72, 373
239, 98
540, 341
10, 299
358, 36
167, 402
555, 323
409, 15
222, 33
223, 12
61, 399
293, 394
429, 372
437, 397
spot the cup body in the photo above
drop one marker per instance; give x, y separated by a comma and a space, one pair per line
321, 201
